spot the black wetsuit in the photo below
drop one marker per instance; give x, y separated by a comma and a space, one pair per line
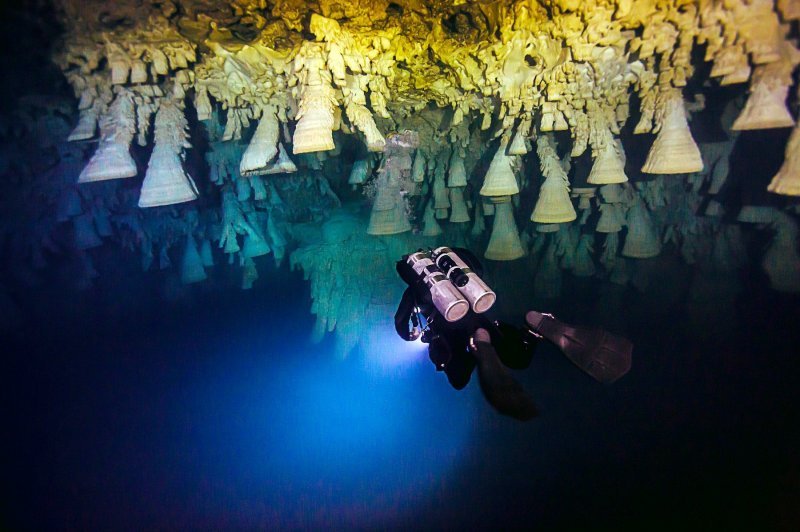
449, 340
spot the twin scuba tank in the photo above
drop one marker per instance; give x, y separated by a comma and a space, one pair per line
454, 287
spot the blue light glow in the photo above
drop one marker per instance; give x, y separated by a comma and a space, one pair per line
324, 442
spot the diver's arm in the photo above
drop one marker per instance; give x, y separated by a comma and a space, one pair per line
403, 314
500, 389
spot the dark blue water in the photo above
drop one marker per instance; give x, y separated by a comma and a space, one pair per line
213, 411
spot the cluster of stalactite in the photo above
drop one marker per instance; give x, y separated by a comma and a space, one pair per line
501, 125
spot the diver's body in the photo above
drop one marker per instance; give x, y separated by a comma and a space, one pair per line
457, 347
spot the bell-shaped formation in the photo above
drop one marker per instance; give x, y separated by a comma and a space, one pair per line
458, 207
430, 226
787, 180
611, 219
359, 172
113, 160
86, 126
584, 195
583, 263
166, 182
674, 150
504, 244
202, 103
441, 194
254, 245
553, 205
360, 116
282, 165
457, 176
314, 130
500, 179
389, 222
389, 215
519, 144
609, 166
765, 108
642, 241
263, 146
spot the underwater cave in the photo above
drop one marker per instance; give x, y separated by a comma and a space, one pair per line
419, 264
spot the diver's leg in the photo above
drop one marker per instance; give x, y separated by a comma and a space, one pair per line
499, 387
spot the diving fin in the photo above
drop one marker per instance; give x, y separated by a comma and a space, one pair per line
604, 356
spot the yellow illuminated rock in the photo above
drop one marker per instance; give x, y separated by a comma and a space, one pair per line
372, 67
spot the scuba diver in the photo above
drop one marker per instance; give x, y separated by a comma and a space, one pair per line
445, 305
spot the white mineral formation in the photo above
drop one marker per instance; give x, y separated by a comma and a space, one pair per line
500, 179
282, 165
430, 226
504, 244
553, 205
642, 241
519, 145
113, 160
674, 150
166, 182
787, 180
466, 76
441, 195
609, 165
202, 104
389, 214
359, 172
584, 195
359, 115
457, 173
765, 108
314, 130
263, 146
769, 86
459, 213
86, 126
